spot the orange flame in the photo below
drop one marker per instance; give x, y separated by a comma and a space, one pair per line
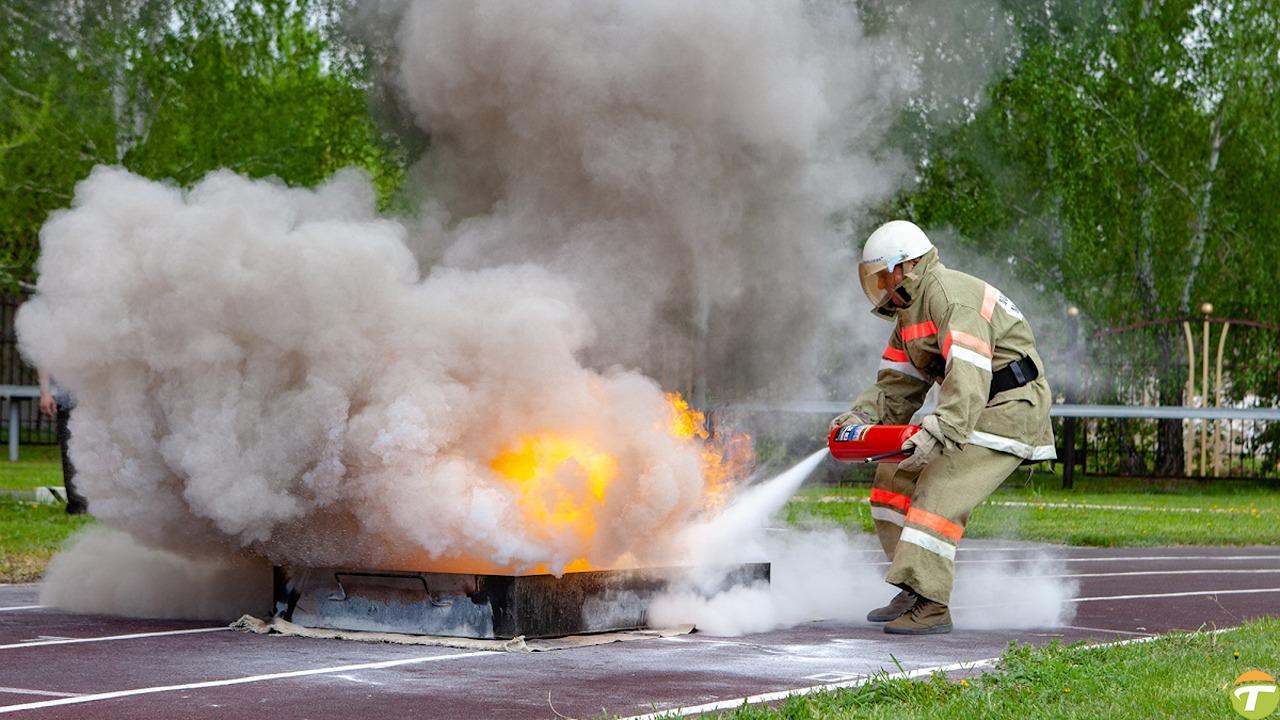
726, 457
686, 423
562, 480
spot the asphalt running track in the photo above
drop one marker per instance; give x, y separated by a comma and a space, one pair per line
55, 664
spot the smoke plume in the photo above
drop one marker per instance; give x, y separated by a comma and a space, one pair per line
262, 368
107, 571
825, 573
613, 192
829, 574
679, 163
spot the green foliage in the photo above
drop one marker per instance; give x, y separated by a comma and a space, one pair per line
1124, 164
1125, 160
174, 90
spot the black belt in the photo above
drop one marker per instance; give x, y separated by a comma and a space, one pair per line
1014, 375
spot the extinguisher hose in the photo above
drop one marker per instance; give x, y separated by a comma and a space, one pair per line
883, 456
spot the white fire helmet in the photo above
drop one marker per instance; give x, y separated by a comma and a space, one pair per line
892, 244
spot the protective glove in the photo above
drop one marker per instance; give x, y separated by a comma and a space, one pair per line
851, 417
924, 446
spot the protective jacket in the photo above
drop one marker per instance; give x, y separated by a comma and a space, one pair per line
955, 331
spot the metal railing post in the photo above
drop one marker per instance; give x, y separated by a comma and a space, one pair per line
1188, 427
1072, 396
1206, 309
1068, 452
13, 429
1217, 402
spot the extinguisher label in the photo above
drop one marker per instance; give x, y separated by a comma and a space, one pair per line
852, 433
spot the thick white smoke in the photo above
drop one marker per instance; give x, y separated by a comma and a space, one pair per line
107, 571
260, 367
609, 186
826, 573
814, 575
680, 163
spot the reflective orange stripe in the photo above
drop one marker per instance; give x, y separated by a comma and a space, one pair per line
936, 523
920, 330
972, 342
885, 497
989, 302
896, 355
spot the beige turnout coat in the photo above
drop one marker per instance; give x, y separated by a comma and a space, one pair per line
955, 332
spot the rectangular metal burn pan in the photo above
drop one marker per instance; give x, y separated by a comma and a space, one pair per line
478, 605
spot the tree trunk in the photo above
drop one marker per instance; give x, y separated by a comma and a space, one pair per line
1202, 212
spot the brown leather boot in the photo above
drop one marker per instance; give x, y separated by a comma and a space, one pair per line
926, 617
900, 603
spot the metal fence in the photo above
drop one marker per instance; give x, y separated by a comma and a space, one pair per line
1227, 443
1176, 373
34, 428
1111, 440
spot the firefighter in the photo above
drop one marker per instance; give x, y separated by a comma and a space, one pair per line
992, 414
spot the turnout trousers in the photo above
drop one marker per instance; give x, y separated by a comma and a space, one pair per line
920, 517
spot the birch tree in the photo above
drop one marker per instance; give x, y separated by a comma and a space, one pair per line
173, 90
1127, 163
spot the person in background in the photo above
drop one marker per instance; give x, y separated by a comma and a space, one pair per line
59, 406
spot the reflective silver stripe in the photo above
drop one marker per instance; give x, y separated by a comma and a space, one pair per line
969, 356
888, 515
928, 542
1013, 447
905, 368
1008, 305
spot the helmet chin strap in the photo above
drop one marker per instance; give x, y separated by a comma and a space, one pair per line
888, 309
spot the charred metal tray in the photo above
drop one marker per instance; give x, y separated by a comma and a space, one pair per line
479, 605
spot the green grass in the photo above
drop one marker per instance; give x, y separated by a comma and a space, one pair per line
37, 465
30, 533
1232, 512
1183, 675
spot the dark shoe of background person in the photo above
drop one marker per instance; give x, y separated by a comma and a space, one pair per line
900, 603
926, 617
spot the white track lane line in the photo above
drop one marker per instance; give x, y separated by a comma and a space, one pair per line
95, 697
1175, 594
1047, 552
979, 549
1109, 630
1130, 508
21, 607
832, 499
1055, 558
1144, 596
26, 691
1135, 558
106, 638
1134, 573
858, 682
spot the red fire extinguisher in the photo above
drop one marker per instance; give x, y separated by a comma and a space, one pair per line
870, 443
